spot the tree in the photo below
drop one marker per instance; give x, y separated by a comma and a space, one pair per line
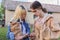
2, 11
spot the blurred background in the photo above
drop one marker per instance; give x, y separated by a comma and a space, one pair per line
7, 8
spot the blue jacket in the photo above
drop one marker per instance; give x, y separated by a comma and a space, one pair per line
10, 35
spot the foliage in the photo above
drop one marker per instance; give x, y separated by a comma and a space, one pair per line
2, 11
3, 32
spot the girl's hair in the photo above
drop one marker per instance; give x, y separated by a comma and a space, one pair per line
45, 10
37, 5
18, 11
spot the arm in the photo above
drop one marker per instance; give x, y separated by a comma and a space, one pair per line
54, 26
8, 32
38, 31
10, 35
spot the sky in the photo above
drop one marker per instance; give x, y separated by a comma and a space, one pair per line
55, 2
0, 1
42, 1
21, 0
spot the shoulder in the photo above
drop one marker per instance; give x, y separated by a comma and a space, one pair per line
48, 17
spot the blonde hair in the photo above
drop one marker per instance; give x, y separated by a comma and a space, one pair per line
17, 14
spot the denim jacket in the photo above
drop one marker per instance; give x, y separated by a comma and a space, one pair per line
10, 35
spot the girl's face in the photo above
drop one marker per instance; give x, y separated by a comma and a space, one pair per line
37, 12
23, 15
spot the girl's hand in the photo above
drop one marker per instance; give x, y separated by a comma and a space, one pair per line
32, 34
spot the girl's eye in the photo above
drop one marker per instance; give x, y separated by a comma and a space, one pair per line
34, 11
